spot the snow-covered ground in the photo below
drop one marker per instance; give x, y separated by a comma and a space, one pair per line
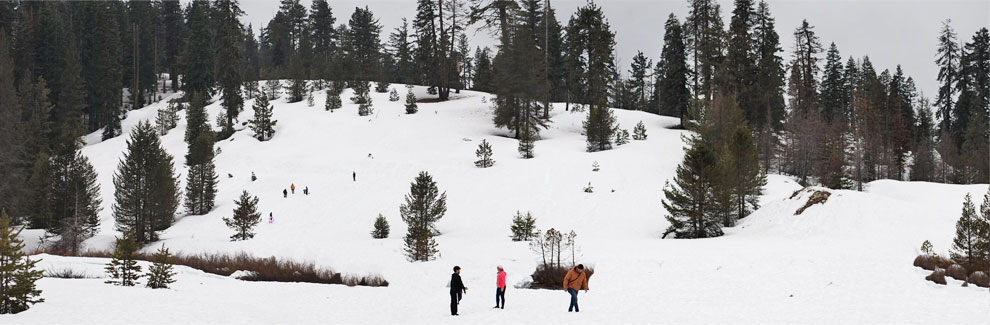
847, 261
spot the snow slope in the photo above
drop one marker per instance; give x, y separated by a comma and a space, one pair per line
848, 261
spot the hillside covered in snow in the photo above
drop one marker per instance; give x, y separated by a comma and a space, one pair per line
845, 261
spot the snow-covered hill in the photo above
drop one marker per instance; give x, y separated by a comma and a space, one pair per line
847, 261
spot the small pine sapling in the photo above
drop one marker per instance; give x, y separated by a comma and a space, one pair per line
123, 269
364, 104
17, 273
393, 95
411, 107
621, 137
245, 218
333, 100
253, 177
381, 228
926, 248
589, 188
639, 132
526, 144
310, 101
484, 154
160, 274
523, 227
595, 167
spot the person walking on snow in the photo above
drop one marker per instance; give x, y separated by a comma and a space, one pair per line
574, 281
293, 187
500, 288
456, 289
306, 190
285, 193
271, 218
354, 174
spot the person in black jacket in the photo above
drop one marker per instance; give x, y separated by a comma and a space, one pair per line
456, 289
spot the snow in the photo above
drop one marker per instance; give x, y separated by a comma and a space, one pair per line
845, 261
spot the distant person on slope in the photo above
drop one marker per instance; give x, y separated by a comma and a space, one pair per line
306, 190
293, 187
271, 218
500, 288
354, 175
574, 281
285, 193
456, 289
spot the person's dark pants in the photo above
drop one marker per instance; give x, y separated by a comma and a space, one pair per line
574, 305
500, 297
455, 297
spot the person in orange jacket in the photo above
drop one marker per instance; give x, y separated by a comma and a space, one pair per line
574, 281
293, 188
500, 288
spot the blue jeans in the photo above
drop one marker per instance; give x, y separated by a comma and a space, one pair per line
574, 304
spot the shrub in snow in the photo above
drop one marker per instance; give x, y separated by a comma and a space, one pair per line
411, 107
937, 276
926, 248
595, 167
123, 269
393, 95
621, 137
160, 274
926, 262
484, 154
550, 277
333, 100
589, 188
245, 218
381, 86
817, 197
980, 279
639, 132
310, 101
523, 227
253, 178
956, 271
381, 228
17, 274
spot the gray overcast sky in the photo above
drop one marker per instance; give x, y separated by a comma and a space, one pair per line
890, 32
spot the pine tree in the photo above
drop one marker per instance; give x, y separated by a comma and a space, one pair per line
17, 273
160, 274
591, 62
229, 59
402, 51
174, 32
245, 218
196, 121
14, 158
966, 244
689, 201
411, 107
199, 60
924, 166
769, 84
523, 227
673, 96
365, 107
484, 75
621, 136
74, 197
146, 188
737, 73
947, 60
262, 124
484, 154
166, 119
638, 77
123, 268
599, 127
526, 143
639, 132
381, 228
424, 206
393, 95
983, 229
333, 97
363, 46
201, 180
703, 35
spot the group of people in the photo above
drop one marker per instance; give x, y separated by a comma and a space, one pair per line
285, 192
575, 281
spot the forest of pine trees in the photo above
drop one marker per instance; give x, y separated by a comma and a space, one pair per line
69, 68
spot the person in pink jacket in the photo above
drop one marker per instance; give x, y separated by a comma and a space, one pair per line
500, 288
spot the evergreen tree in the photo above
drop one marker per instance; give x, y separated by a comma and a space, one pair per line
146, 194
74, 197
229, 59
166, 119
70, 103
769, 85
196, 124
923, 168
484, 154
393, 95
621, 136
381, 228
947, 60
590, 48
364, 102
100, 52
673, 96
198, 56
174, 32
523, 227
402, 51
423, 207
599, 127
123, 268
703, 34
17, 273
833, 85
484, 75
201, 180
638, 77
526, 140
160, 274
804, 121
689, 202
967, 243
363, 45
262, 124
639, 132
333, 99
245, 218
324, 38
411, 107
737, 73
14, 158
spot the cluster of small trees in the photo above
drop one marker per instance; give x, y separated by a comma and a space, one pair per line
123, 268
555, 247
972, 241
